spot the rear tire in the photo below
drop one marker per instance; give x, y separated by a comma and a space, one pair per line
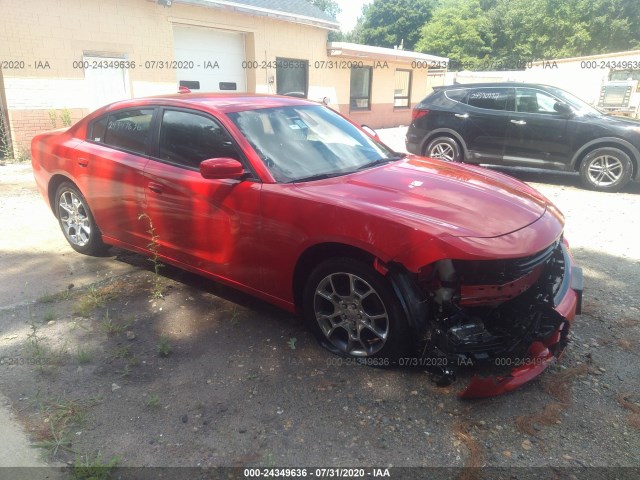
444, 148
76, 220
606, 169
353, 312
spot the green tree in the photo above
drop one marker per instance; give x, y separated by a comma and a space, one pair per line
460, 30
390, 23
502, 34
329, 7
332, 9
548, 29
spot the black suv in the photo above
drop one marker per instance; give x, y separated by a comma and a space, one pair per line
529, 125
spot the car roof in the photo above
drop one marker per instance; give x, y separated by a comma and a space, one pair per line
220, 102
492, 84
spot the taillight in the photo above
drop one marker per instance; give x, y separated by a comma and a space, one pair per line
416, 114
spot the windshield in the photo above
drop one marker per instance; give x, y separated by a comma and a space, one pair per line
580, 106
308, 142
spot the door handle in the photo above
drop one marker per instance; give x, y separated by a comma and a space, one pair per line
83, 162
155, 187
518, 122
462, 115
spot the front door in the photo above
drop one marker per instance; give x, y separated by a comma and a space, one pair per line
211, 225
536, 132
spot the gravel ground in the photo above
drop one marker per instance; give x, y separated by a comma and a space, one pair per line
244, 384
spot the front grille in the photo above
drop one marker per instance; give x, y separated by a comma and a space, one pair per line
498, 272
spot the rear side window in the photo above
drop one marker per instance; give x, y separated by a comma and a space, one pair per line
128, 130
457, 95
186, 139
490, 98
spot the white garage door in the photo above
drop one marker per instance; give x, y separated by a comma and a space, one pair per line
210, 60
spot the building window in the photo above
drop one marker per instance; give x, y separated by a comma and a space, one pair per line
292, 77
360, 93
402, 91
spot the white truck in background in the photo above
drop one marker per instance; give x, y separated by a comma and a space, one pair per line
620, 94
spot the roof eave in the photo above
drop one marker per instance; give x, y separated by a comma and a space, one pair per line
354, 50
263, 12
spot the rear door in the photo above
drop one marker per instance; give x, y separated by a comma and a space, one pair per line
211, 225
485, 122
112, 162
537, 133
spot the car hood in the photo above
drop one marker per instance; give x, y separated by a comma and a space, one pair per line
443, 198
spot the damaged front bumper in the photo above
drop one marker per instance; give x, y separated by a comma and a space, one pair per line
567, 302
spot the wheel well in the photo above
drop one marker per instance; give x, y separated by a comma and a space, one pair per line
316, 254
437, 135
54, 183
634, 160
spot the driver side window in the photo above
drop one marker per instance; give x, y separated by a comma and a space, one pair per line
529, 100
186, 139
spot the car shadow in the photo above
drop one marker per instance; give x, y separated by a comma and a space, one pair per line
552, 177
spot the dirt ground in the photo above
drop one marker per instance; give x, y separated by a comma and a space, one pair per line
99, 368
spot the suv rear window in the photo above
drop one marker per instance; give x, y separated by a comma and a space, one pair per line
489, 98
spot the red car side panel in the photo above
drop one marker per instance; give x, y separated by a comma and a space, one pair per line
213, 225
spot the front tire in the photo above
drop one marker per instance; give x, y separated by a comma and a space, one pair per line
353, 311
76, 220
444, 148
606, 169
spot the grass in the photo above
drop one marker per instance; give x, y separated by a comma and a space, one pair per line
40, 352
92, 299
90, 467
158, 289
153, 401
49, 315
55, 297
82, 356
60, 417
163, 347
121, 352
111, 327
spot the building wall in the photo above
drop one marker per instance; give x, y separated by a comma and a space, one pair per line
49, 36
56, 34
383, 113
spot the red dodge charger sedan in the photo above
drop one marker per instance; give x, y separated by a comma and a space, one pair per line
392, 259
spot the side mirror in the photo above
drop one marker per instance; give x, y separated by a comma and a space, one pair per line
370, 131
221, 168
562, 108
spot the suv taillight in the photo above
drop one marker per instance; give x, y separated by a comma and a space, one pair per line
416, 114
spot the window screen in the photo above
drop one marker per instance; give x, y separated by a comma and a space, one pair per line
187, 139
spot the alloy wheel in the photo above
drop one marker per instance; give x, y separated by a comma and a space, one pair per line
443, 151
351, 314
605, 170
74, 219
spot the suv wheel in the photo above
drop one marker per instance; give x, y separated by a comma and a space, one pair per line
606, 169
444, 148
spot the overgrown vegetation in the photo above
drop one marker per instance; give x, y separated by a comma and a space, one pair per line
5, 139
157, 290
40, 353
93, 298
163, 347
93, 467
59, 417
